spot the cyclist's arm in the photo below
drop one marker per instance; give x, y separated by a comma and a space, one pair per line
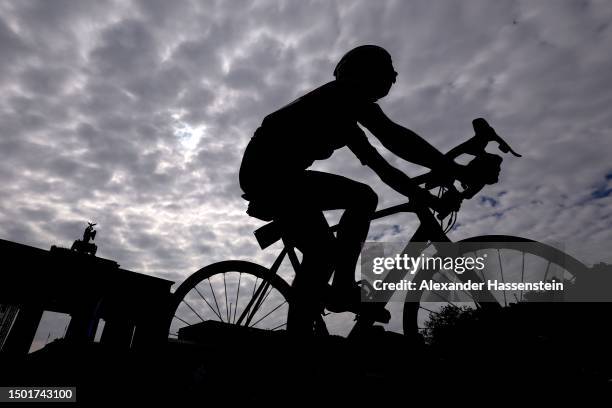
404, 142
393, 177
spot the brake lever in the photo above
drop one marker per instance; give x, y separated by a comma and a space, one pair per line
482, 127
450, 201
505, 147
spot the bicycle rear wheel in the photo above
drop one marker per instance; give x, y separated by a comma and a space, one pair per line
230, 293
514, 258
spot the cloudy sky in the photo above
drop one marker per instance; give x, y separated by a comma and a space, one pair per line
135, 115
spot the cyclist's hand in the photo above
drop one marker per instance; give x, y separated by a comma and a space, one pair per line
449, 202
446, 175
463, 174
423, 197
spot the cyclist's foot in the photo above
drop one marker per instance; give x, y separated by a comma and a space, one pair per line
340, 300
374, 312
349, 300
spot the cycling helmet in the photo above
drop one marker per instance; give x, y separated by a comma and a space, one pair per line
364, 61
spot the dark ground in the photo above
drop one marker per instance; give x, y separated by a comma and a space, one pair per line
504, 355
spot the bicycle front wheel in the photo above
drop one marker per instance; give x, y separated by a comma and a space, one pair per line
511, 259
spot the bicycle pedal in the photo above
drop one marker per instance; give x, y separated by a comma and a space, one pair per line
374, 312
366, 289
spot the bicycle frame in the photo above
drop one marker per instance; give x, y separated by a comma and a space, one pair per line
428, 231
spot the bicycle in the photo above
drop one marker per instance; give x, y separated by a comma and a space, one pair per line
267, 296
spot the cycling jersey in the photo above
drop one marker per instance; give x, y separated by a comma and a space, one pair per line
308, 129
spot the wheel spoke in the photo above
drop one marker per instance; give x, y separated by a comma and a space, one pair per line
267, 294
268, 314
482, 270
188, 324
429, 310
215, 298
260, 293
209, 305
522, 274
258, 304
546, 273
225, 293
255, 286
247, 310
193, 310
237, 296
279, 326
501, 271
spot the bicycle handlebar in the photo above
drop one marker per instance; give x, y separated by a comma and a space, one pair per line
483, 134
475, 146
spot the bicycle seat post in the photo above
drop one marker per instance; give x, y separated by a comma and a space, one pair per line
295, 262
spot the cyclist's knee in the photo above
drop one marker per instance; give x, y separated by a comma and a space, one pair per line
318, 256
367, 199
319, 242
322, 251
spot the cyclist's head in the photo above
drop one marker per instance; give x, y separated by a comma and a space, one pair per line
369, 67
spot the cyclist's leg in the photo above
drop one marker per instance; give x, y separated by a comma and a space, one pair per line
307, 229
330, 191
300, 211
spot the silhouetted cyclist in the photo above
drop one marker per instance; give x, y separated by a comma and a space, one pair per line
275, 179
